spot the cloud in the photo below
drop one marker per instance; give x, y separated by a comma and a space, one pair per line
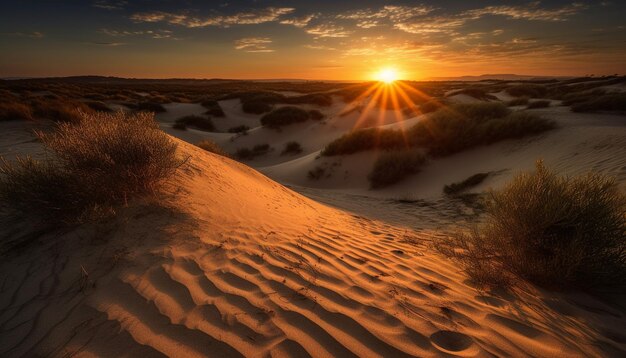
300, 22
254, 44
370, 18
110, 4
269, 14
328, 30
155, 34
32, 34
106, 43
532, 11
430, 25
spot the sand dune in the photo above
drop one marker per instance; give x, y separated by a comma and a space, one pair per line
232, 264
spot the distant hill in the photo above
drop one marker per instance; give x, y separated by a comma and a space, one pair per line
506, 77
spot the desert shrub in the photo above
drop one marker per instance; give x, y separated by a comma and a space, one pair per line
213, 108
519, 101
316, 115
248, 154
582, 96
59, 110
15, 111
316, 173
211, 146
365, 139
149, 107
239, 129
100, 161
98, 106
393, 166
607, 102
284, 116
455, 188
198, 122
292, 148
550, 230
538, 104
256, 107
430, 106
320, 99
527, 90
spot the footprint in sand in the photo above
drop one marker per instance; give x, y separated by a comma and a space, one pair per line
454, 343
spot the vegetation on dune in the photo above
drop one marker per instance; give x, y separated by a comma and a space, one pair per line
284, 116
98, 106
607, 102
243, 129
519, 101
527, 90
292, 148
213, 108
100, 161
550, 230
319, 99
538, 104
316, 173
197, 122
249, 154
474, 92
211, 146
15, 111
149, 107
392, 166
316, 115
447, 131
472, 181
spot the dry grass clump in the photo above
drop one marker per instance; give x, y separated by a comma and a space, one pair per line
248, 154
455, 188
284, 116
520, 101
393, 166
292, 148
193, 121
527, 90
59, 110
10, 111
101, 161
538, 104
550, 230
607, 102
211, 146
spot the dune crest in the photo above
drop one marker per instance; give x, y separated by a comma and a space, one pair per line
232, 264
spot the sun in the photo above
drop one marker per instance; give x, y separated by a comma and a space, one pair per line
387, 75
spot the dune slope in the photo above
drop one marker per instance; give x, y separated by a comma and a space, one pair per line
232, 264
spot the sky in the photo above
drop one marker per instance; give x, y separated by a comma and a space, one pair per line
321, 39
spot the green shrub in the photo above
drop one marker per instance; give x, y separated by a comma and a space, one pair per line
472, 181
211, 146
100, 161
213, 108
550, 230
608, 102
393, 166
198, 122
538, 104
520, 101
292, 148
527, 90
284, 116
15, 111
256, 107
365, 139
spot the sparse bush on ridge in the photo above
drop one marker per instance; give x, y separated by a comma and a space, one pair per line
98, 106
243, 129
520, 101
455, 188
197, 122
527, 90
149, 107
101, 161
211, 146
550, 230
15, 111
292, 148
447, 131
284, 116
213, 108
538, 104
249, 154
59, 110
320, 99
393, 166
474, 92
607, 102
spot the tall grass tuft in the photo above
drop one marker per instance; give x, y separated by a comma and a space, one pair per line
551, 230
